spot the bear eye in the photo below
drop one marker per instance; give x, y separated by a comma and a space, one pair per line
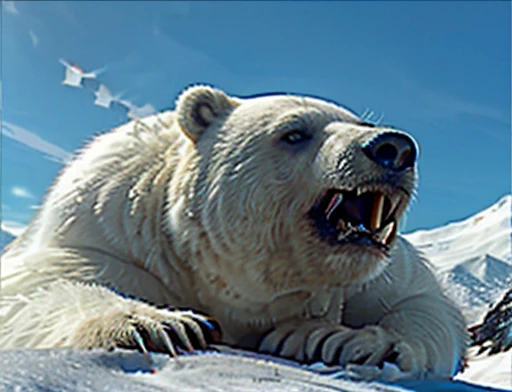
295, 136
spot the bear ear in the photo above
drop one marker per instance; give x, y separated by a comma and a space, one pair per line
198, 106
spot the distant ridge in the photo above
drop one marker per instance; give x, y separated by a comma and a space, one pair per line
472, 257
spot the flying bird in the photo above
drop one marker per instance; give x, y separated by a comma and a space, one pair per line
135, 112
75, 76
103, 96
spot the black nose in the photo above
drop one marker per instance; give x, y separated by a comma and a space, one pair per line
394, 150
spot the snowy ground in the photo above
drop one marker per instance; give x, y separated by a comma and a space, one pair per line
474, 262
123, 371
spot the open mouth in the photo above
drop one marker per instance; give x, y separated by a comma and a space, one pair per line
359, 217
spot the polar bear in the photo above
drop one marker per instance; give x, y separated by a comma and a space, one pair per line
276, 215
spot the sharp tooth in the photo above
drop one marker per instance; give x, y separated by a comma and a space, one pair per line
390, 232
385, 231
395, 203
378, 207
333, 204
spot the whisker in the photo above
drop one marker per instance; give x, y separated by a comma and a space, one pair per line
379, 120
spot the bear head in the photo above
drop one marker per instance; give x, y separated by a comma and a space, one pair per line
287, 191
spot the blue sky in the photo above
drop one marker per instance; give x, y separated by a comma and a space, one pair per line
439, 70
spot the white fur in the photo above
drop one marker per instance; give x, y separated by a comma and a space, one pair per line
205, 209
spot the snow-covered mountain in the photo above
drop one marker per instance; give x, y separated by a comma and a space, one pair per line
473, 257
486, 232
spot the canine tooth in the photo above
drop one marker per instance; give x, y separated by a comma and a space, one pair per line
377, 210
333, 204
384, 232
395, 202
390, 232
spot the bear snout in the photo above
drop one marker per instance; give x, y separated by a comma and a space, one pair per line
393, 150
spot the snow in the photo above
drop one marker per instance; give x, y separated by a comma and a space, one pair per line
492, 371
473, 259
487, 232
96, 370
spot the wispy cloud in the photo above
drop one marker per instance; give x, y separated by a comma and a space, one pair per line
34, 38
30, 139
19, 191
445, 103
10, 7
13, 228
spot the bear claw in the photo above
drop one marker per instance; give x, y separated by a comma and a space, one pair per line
182, 332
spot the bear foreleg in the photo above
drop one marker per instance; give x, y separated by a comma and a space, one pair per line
78, 315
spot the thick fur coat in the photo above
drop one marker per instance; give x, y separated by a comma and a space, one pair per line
208, 209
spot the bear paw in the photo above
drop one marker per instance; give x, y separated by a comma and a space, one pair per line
151, 329
372, 346
170, 332
338, 345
